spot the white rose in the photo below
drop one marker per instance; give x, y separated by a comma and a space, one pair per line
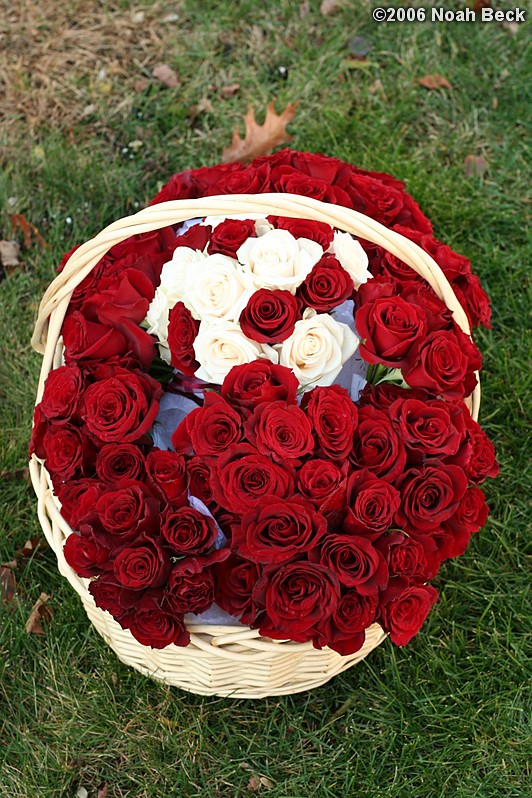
219, 347
174, 273
317, 349
157, 315
351, 256
278, 260
217, 289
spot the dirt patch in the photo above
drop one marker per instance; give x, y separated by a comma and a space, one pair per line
63, 62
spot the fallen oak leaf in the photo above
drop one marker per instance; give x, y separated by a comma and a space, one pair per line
9, 251
8, 584
28, 229
102, 792
434, 81
39, 612
260, 139
166, 75
475, 166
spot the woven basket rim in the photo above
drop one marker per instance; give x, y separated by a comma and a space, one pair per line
229, 643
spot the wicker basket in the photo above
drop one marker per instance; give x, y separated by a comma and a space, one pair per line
220, 660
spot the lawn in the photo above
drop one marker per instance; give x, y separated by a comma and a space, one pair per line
88, 135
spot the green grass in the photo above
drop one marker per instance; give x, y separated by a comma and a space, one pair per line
450, 713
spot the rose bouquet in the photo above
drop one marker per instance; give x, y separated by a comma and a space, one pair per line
258, 421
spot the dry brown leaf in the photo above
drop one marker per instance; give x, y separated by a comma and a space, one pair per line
28, 229
166, 75
254, 783
266, 782
330, 6
260, 139
102, 792
8, 584
204, 106
478, 5
39, 612
475, 166
9, 254
230, 90
434, 81
30, 547
304, 9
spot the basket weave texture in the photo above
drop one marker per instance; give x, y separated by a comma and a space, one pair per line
220, 660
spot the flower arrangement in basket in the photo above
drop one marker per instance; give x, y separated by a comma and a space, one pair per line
256, 435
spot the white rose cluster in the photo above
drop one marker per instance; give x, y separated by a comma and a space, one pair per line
216, 288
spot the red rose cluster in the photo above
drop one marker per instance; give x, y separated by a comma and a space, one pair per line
308, 517
329, 179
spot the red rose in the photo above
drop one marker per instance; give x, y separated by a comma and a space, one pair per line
473, 299
167, 472
242, 180
190, 590
110, 595
154, 628
196, 237
61, 392
317, 479
320, 232
327, 285
78, 498
428, 428
235, 580
444, 363
66, 451
188, 531
260, 381
371, 504
297, 596
182, 332
125, 295
280, 430
270, 315
243, 476
405, 556
344, 630
199, 477
228, 236
376, 445
355, 561
88, 557
276, 530
404, 607
384, 395
90, 341
430, 495
289, 180
120, 405
482, 462
142, 564
390, 327
333, 417
117, 461
472, 512
126, 510
436, 313
208, 430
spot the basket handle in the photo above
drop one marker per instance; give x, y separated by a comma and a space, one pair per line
84, 259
